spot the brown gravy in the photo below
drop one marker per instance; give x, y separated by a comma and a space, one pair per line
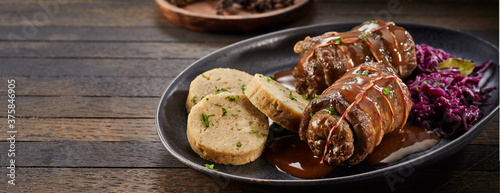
291, 155
398, 144
285, 78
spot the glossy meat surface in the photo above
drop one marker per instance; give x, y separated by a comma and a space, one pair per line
326, 58
369, 100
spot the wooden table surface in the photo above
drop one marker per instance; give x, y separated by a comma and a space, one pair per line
89, 75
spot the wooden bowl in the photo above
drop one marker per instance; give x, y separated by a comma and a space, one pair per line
201, 16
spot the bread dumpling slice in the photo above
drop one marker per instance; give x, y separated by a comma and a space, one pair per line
280, 104
227, 129
216, 81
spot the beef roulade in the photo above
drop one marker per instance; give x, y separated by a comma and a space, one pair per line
347, 121
327, 57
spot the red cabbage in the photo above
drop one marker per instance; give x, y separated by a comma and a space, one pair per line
443, 99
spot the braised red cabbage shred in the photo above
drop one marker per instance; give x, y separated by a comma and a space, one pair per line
443, 99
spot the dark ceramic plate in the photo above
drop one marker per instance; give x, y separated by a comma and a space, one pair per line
272, 53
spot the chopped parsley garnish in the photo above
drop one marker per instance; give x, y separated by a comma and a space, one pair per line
362, 36
243, 88
194, 99
372, 21
336, 40
357, 44
418, 90
218, 90
365, 72
233, 98
204, 117
202, 75
311, 114
346, 87
238, 144
306, 97
316, 96
210, 166
252, 122
291, 97
386, 92
331, 110
257, 132
268, 79
300, 108
224, 112
440, 84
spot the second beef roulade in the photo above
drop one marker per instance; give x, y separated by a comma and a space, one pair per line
327, 57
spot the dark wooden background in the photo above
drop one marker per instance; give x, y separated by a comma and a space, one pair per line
89, 76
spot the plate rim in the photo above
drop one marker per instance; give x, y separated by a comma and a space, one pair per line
376, 173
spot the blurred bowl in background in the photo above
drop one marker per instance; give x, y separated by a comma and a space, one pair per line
201, 16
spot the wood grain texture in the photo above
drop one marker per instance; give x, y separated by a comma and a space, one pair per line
92, 67
490, 135
187, 180
128, 34
91, 154
81, 13
84, 129
88, 107
115, 50
91, 86
426, 181
113, 180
